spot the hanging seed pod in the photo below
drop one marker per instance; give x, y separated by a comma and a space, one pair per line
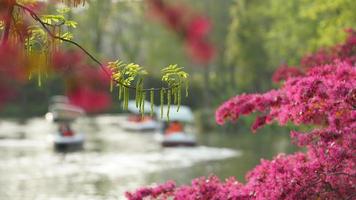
143, 103
140, 102
175, 96
124, 99
179, 94
120, 92
137, 96
186, 88
169, 96
111, 85
39, 78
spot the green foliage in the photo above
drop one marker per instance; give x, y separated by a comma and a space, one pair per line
175, 77
245, 45
299, 26
53, 19
40, 44
125, 75
264, 34
59, 20
39, 40
330, 17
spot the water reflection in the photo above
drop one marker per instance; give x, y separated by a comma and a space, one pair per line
114, 161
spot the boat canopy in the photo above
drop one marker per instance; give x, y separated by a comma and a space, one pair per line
59, 99
63, 107
184, 114
132, 107
66, 112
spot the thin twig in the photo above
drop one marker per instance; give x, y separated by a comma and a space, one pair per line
43, 24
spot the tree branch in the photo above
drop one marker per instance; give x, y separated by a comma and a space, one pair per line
43, 24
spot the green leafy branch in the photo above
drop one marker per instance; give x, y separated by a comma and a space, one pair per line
122, 75
174, 77
58, 25
125, 74
45, 39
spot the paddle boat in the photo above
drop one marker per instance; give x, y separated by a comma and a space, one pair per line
174, 129
138, 122
64, 114
66, 141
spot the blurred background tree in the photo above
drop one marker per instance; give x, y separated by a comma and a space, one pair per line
251, 39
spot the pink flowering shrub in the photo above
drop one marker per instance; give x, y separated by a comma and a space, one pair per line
284, 72
324, 96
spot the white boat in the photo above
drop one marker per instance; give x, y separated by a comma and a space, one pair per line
63, 113
68, 143
140, 126
173, 137
136, 122
179, 139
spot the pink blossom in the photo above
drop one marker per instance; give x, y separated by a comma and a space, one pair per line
201, 51
198, 28
284, 72
323, 96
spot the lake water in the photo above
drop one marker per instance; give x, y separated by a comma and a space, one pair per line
115, 161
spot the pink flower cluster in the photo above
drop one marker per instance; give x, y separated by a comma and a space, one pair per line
324, 96
284, 72
163, 191
193, 28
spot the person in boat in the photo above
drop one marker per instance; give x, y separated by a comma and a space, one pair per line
65, 130
134, 118
174, 127
139, 118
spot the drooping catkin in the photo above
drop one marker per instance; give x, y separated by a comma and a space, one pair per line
143, 103
120, 92
137, 96
179, 94
126, 98
169, 96
186, 88
175, 96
